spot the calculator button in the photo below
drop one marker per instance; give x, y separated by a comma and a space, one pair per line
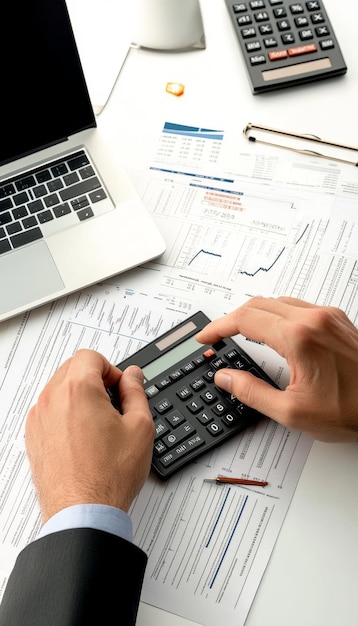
152, 391
322, 31
293, 52
301, 21
317, 18
243, 20
208, 397
219, 408
164, 383
270, 42
239, 7
176, 375
208, 354
287, 38
230, 419
199, 360
194, 406
262, 17
326, 44
159, 448
306, 34
283, 25
178, 435
184, 393
205, 417
280, 12
188, 367
257, 4
277, 55
242, 363
232, 355
248, 32
214, 429
313, 5
296, 8
197, 384
218, 363
266, 29
161, 428
253, 46
183, 448
175, 418
209, 375
163, 406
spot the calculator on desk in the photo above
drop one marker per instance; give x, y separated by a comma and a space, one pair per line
285, 43
191, 415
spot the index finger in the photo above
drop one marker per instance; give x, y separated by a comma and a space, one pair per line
88, 365
264, 320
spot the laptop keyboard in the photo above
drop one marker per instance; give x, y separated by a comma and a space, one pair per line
62, 192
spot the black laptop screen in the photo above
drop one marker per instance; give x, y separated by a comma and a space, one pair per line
43, 97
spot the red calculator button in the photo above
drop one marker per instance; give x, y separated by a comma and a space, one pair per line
276, 55
294, 52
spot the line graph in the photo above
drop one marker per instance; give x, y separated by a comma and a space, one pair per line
202, 251
230, 255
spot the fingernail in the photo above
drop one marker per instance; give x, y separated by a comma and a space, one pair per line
136, 372
223, 380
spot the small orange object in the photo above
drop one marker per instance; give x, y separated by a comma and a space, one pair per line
176, 89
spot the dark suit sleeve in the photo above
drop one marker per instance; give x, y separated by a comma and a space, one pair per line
73, 578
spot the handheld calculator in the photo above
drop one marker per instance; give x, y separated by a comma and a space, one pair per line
191, 415
285, 43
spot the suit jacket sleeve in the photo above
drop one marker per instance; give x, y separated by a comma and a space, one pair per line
74, 578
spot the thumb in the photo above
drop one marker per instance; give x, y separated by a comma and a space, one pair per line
132, 394
250, 390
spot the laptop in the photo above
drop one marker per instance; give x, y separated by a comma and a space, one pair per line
69, 216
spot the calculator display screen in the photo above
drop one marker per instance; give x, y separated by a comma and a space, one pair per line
170, 359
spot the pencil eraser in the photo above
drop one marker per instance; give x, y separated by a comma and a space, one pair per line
176, 89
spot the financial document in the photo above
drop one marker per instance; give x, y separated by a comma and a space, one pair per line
236, 225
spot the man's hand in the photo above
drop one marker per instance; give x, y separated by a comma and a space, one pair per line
320, 345
81, 449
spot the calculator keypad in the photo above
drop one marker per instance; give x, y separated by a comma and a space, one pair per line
285, 43
190, 413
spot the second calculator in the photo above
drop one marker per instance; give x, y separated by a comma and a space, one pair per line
285, 43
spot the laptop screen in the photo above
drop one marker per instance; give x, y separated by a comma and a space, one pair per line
44, 97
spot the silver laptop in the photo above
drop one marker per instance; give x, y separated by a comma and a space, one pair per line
69, 216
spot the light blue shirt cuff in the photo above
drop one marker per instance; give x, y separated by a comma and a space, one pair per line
97, 516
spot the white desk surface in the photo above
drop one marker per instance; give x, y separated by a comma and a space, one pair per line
311, 579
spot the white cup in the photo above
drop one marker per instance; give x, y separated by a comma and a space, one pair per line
167, 24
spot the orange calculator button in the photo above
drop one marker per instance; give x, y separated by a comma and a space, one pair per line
294, 52
276, 55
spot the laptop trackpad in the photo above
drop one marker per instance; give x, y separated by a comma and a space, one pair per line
26, 275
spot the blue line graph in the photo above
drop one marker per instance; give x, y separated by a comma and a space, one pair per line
228, 543
202, 251
262, 269
259, 269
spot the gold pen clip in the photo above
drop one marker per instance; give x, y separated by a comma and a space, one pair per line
306, 137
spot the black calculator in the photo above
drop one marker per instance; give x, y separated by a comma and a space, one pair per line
285, 43
191, 415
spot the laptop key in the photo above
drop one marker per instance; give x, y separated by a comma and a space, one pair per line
5, 218
25, 183
85, 214
28, 236
90, 184
4, 246
98, 195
